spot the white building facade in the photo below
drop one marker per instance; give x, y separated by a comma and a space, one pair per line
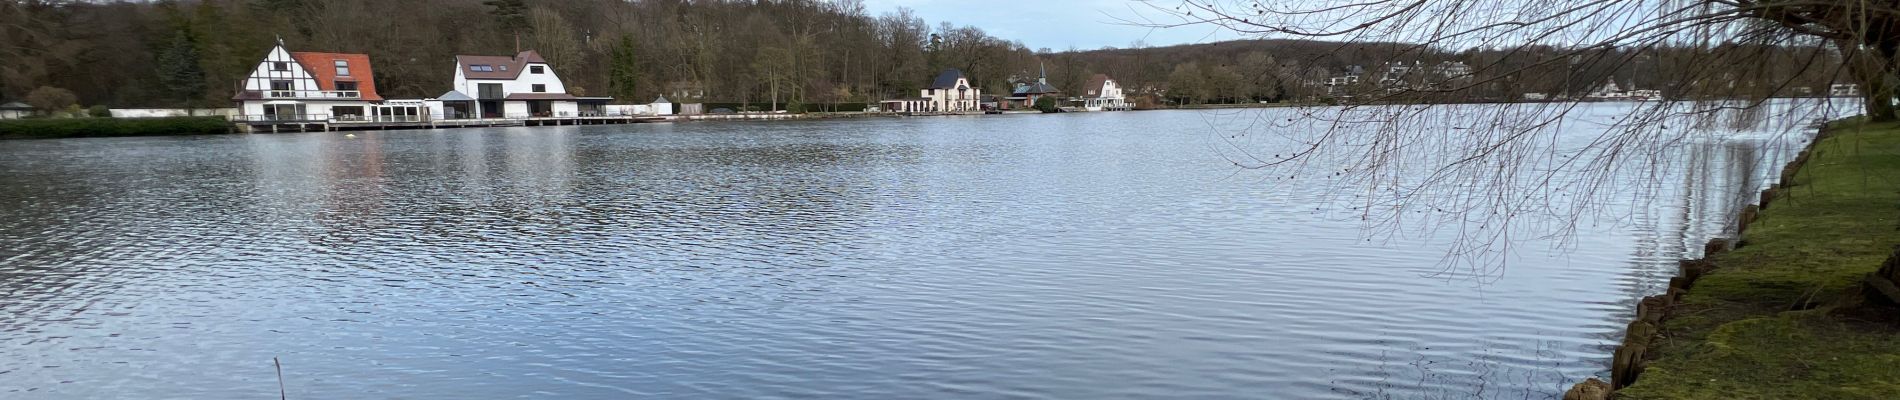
308, 87
522, 86
1103, 94
951, 92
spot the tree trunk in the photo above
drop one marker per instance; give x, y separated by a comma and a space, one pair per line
1879, 100
1872, 68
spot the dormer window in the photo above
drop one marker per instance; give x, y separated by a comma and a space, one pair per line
279, 66
537, 69
342, 68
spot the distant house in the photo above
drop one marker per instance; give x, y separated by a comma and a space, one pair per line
15, 110
1843, 90
1341, 85
522, 86
308, 86
950, 92
1024, 92
661, 106
1103, 93
1609, 91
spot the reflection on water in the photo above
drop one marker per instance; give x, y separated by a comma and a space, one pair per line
1060, 256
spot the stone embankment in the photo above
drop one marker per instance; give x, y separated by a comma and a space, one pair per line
1797, 304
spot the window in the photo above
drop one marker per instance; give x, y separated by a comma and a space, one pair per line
342, 68
490, 91
481, 68
504, 68
540, 88
279, 66
537, 69
347, 87
281, 88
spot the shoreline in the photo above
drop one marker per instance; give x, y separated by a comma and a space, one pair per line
1778, 309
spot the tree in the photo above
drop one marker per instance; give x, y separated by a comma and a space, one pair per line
512, 15
1046, 104
554, 38
623, 72
1866, 35
179, 72
1186, 85
51, 99
1720, 55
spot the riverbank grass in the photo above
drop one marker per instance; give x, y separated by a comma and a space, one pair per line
1782, 317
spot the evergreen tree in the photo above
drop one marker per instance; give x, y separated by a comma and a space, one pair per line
178, 69
512, 14
624, 70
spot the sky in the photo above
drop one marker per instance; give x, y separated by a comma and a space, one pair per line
1056, 24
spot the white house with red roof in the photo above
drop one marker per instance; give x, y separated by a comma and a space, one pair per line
310, 87
522, 86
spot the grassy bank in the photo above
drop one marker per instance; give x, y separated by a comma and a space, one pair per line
53, 128
1783, 316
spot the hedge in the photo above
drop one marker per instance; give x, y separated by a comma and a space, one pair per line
51, 128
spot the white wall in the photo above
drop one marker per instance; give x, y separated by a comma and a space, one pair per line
310, 107
945, 100
628, 109
172, 112
514, 109
523, 83
566, 109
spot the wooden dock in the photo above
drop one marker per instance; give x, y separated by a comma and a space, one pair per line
325, 125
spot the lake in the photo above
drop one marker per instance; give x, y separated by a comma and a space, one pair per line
1100, 255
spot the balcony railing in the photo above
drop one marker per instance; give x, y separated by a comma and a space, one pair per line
381, 118
282, 118
310, 94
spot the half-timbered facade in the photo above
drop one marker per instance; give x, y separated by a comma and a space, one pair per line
309, 86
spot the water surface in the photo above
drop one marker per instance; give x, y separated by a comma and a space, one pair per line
1105, 255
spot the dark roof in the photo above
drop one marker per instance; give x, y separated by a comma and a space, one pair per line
1037, 87
1095, 85
947, 79
540, 96
505, 67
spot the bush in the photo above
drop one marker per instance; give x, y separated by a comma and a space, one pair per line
51, 128
1046, 104
99, 112
50, 99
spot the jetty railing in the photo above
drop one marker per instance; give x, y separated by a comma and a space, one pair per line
309, 94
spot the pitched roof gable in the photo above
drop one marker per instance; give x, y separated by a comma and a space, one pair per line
322, 67
1097, 84
947, 79
503, 67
